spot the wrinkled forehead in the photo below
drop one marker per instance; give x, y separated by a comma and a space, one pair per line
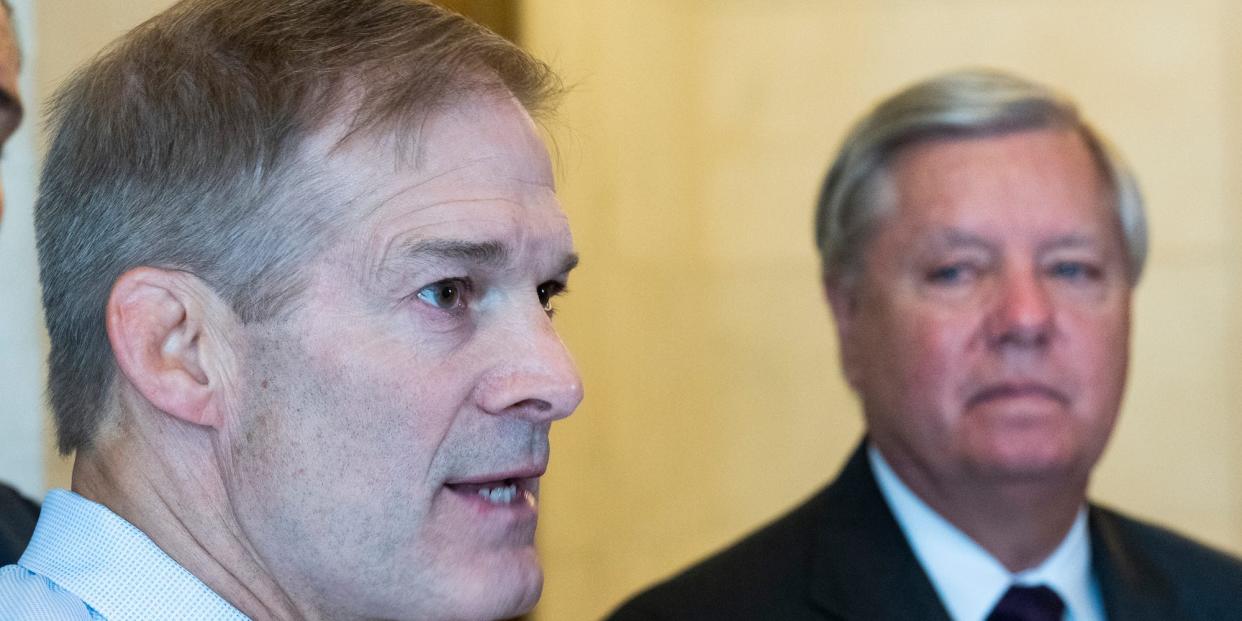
1052, 162
484, 134
482, 139
477, 170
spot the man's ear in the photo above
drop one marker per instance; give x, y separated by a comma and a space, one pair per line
842, 294
160, 325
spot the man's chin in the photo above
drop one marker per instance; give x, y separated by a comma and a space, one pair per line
501, 588
1030, 456
1032, 464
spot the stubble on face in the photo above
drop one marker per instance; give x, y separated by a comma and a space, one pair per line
365, 406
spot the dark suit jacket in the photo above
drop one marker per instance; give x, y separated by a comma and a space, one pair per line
841, 555
17, 521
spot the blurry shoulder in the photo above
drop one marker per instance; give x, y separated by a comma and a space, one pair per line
27, 596
1160, 544
1200, 579
763, 575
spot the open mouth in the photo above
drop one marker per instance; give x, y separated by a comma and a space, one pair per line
499, 493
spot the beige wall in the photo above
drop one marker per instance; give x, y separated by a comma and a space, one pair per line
692, 149
690, 153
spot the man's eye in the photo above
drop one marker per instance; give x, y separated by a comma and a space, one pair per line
547, 291
950, 274
449, 294
1074, 270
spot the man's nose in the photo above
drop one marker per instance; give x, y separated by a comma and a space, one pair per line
1024, 312
534, 376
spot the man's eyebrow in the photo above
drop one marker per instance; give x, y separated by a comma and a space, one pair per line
957, 238
491, 254
488, 253
1073, 240
954, 238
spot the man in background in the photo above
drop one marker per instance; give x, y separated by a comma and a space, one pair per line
17, 513
299, 260
980, 246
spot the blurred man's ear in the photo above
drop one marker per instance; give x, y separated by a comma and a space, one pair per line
167, 333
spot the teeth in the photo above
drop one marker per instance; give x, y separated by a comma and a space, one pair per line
499, 495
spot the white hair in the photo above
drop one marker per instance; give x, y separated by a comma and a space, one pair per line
964, 103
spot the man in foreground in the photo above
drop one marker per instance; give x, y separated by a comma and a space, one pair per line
299, 260
980, 245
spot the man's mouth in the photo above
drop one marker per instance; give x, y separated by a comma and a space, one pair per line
1018, 390
502, 492
515, 489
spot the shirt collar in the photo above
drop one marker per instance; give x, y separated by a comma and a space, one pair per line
969, 580
113, 567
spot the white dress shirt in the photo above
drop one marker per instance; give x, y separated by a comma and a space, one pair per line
87, 563
969, 580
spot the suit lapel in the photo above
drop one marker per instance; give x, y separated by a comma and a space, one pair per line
1131, 586
863, 568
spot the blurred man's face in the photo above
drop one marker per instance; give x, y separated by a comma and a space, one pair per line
386, 451
10, 102
988, 333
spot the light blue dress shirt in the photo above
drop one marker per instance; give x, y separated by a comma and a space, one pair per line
969, 580
86, 562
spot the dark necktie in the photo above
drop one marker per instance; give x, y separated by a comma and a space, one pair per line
1022, 603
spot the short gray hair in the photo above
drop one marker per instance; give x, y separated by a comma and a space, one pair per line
965, 103
183, 147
